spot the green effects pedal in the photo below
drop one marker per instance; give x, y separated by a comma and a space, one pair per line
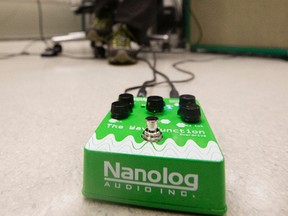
156, 152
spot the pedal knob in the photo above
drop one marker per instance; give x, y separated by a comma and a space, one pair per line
185, 100
152, 133
190, 113
120, 110
155, 104
127, 98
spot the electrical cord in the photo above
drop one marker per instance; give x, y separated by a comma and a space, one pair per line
150, 83
175, 65
21, 53
179, 69
142, 90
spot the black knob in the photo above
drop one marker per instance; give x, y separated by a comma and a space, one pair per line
119, 110
155, 104
190, 113
127, 98
185, 100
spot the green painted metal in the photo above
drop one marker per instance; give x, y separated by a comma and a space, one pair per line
273, 52
187, 21
182, 172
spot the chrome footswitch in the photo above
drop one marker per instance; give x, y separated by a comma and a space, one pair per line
152, 133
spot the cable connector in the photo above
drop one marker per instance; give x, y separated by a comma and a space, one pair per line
142, 92
174, 93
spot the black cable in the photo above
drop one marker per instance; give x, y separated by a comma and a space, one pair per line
21, 53
142, 90
8, 56
176, 67
173, 93
191, 75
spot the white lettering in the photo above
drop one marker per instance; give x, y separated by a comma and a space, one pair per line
171, 192
154, 172
143, 172
148, 189
153, 178
194, 183
115, 173
127, 173
165, 173
128, 187
184, 193
178, 175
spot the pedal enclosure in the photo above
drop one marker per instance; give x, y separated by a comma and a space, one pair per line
182, 172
